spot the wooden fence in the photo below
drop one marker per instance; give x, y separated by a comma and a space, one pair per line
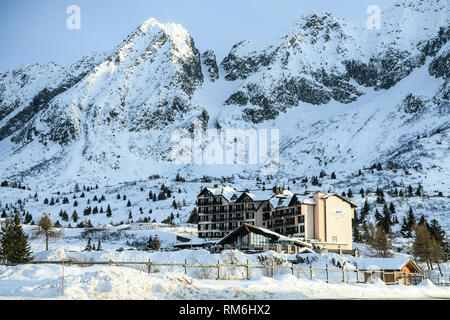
222, 271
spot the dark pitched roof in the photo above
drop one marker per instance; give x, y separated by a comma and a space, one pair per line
266, 232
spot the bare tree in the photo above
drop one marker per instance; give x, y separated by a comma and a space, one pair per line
427, 248
45, 227
422, 245
380, 242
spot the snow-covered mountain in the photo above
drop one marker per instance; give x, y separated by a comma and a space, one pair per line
343, 97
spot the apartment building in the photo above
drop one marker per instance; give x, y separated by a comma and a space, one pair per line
323, 219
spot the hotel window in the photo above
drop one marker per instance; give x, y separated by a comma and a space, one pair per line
334, 239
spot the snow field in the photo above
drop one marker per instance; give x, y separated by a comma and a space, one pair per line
104, 282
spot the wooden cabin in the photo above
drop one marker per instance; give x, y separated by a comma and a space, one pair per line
390, 270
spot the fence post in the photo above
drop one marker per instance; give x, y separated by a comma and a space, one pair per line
149, 265
248, 271
310, 271
343, 274
185, 266
292, 268
218, 269
326, 269
357, 274
273, 269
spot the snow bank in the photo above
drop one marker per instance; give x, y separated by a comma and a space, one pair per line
106, 282
427, 283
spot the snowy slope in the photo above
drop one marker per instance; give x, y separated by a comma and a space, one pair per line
343, 97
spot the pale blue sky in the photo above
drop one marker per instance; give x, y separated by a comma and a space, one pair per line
35, 30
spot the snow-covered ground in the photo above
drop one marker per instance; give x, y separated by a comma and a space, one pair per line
45, 281
104, 282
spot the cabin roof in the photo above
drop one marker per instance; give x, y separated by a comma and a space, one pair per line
383, 263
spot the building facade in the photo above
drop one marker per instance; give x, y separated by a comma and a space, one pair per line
325, 219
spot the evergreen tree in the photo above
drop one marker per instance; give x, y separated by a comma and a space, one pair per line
387, 220
410, 191
380, 196
411, 222
350, 193
333, 175
153, 243
129, 203
419, 190
28, 218
365, 211
361, 192
14, 246
439, 235
75, 216
108, 211
162, 196
357, 236
65, 216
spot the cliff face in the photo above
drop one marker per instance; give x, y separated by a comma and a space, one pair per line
343, 97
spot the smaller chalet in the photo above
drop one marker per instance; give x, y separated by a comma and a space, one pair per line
395, 270
250, 238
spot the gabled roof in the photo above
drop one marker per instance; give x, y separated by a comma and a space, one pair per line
266, 232
340, 197
383, 263
224, 191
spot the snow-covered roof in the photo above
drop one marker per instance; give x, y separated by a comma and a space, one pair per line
280, 201
225, 191
259, 195
381, 263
